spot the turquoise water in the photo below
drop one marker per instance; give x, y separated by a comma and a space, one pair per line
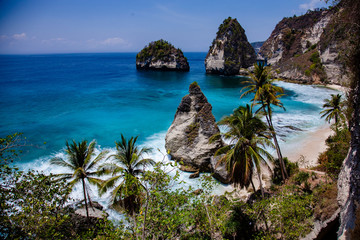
54, 98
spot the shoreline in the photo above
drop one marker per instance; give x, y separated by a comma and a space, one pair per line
337, 87
306, 147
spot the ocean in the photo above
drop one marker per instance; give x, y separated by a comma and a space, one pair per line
58, 97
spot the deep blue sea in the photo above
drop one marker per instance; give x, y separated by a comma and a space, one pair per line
54, 98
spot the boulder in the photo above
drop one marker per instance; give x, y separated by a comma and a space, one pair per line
219, 170
230, 50
195, 175
187, 139
162, 56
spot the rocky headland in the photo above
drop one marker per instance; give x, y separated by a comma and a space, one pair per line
161, 56
230, 50
187, 140
309, 48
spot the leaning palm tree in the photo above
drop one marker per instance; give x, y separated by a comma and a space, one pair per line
333, 110
266, 94
248, 136
128, 164
82, 162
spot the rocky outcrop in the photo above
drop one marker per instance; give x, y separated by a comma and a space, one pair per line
349, 177
322, 229
187, 139
230, 50
162, 56
299, 49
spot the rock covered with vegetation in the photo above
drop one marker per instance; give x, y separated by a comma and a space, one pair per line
163, 56
230, 50
309, 48
187, 139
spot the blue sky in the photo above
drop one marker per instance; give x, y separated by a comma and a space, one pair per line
76, 26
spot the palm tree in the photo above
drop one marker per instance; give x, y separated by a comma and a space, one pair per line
128, 164
266, 94
82, 162
333, 109
248, 136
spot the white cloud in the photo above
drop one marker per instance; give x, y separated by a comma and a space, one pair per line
310, 5
113, 41
16, 36
19, 36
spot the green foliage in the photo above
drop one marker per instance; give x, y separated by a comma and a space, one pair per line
192, 132
126, 188
32, 205
301, 177
334, 109
160, 49
289, 38
239, 224
266, 95
315, 58
337, 148
82, 163
248, 135
316, 67
9, 147
286, 215
291, 169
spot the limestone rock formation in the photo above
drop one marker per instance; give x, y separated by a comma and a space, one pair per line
307, 49
187, 139
230, 50
219, 171
162, 56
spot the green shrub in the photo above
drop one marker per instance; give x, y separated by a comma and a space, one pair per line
291, 169
338, 145
302, 177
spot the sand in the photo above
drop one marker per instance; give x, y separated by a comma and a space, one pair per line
307, 147
337, 87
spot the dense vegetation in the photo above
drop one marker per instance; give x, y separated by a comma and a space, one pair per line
159, 50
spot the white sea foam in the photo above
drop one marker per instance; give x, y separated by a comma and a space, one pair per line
305, 120
308, 93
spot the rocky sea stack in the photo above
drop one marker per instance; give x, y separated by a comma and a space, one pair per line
187, 139
230, 50
163, 56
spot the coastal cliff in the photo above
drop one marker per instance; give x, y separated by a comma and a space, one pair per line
230, 50
308, 48
163, 56
187, 139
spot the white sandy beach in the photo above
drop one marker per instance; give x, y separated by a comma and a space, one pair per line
307, 147
337, 87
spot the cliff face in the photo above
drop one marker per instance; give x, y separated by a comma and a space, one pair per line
230, 50
161, 55
187, 139
297, 48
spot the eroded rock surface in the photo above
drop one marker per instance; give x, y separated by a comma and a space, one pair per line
230, 50
187, 139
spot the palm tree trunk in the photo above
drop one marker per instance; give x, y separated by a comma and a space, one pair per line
86, 206
277, 147
252, 184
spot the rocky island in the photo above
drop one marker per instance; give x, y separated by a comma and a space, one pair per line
187, 139
230, 50
162, 56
